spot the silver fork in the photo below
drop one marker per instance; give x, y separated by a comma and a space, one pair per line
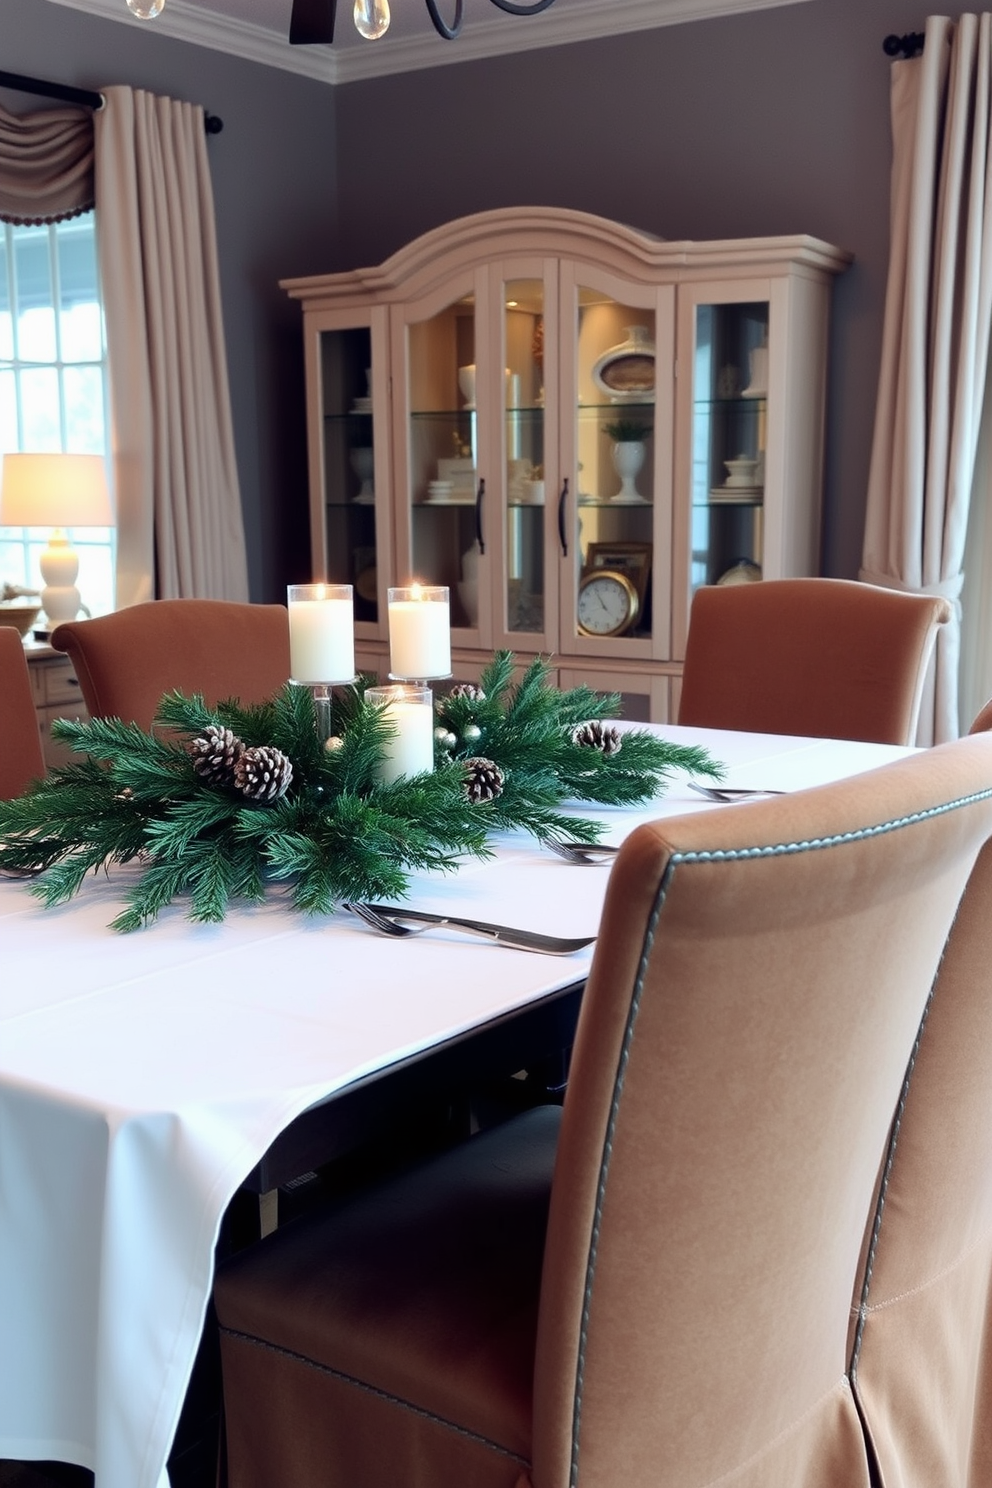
401, 923
729, 792
582, 852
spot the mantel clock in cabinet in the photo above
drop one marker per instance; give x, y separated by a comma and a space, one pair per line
572, 425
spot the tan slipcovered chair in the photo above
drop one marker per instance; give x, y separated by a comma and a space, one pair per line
982, 720
681, 1317
829, 658
21, 759
125, 662
921, 1360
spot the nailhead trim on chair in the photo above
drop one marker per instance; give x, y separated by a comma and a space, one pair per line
348, 1379
721, 855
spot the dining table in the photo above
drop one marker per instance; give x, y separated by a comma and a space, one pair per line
144, 1078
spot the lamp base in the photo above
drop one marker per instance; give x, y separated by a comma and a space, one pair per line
60, 599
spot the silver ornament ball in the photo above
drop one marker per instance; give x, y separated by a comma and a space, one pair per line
471, 732
333, 744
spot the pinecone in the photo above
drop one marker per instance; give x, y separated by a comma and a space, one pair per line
263, 773
596, 735
467, 690
216, 754
483, 779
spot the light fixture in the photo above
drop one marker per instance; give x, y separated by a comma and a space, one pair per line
371, 18
312, 21
146, 10
56, 491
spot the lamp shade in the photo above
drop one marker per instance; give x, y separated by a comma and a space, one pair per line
54, 491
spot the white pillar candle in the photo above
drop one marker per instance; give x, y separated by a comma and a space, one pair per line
321, 633
419, 632
410, 713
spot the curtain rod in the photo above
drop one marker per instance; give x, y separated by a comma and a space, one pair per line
907, 46
82, 96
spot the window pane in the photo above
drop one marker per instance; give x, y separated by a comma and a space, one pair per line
33, 288
80, 326
83, 394
8, 410
39, 390
6, 324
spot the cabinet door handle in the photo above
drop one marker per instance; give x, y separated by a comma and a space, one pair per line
562, 538
478, 518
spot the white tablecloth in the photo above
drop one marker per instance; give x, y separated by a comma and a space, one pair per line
142, 1076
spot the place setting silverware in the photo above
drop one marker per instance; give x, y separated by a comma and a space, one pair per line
387, 919
729, 793
585, 853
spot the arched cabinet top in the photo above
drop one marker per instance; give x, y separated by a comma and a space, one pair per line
559, 232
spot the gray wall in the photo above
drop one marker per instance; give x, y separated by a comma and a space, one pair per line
772, 122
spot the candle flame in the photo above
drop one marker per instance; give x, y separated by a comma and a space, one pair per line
321, 591
416, 591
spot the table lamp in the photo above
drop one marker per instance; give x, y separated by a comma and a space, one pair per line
56, 491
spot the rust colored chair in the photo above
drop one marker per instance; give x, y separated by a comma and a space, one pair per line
652, 1287
125, 662
921, 1363
829, 658
21, 759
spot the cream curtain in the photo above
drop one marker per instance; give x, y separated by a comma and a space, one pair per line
46, 164
180, 531
936, 334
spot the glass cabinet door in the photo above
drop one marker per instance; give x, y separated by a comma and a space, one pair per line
621, 438
349, 459
529, 482
438, 427
728, 442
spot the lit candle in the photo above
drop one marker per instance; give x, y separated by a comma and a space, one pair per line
419, 632
410, 713
321, 633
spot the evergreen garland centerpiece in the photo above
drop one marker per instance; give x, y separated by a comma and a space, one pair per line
218, 802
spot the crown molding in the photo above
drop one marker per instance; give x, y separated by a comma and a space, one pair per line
577, 20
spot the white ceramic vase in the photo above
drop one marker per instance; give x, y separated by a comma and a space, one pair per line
628, 458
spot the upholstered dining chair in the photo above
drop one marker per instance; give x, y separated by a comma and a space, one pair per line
126, 661
21, 758
825, 657
921, 1360
982, 720
651, 1287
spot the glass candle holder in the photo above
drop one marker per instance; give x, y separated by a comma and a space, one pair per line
321, 643
419, 632
410, 746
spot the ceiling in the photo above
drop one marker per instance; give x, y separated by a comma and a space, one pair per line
257, 30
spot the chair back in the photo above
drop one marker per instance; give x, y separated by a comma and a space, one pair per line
921, 1361
127, 661
982, 720
758, 983
21, 759
829, 658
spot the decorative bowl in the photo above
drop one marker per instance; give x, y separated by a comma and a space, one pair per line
741, 472
21, 613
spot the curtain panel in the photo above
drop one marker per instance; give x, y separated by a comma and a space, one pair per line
180, 529
936, 335
46, 165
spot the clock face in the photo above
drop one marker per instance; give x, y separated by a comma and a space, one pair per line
607, 604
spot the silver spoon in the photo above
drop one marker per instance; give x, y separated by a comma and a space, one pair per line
729, 792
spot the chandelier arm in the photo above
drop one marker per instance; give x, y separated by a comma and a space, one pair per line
440, 24
522, 10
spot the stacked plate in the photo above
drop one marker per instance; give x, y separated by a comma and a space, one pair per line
362, 405
439, 490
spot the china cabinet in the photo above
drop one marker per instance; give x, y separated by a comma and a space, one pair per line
572, 425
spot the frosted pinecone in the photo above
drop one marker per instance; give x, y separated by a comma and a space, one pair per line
469, 691
263, 773
596, 735
215, 754
483, 778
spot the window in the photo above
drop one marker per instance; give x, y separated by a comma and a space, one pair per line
53, 381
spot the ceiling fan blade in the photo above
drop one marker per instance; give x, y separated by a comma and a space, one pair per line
312, 22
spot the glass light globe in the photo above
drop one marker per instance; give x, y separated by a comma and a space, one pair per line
146, 10
371, 18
